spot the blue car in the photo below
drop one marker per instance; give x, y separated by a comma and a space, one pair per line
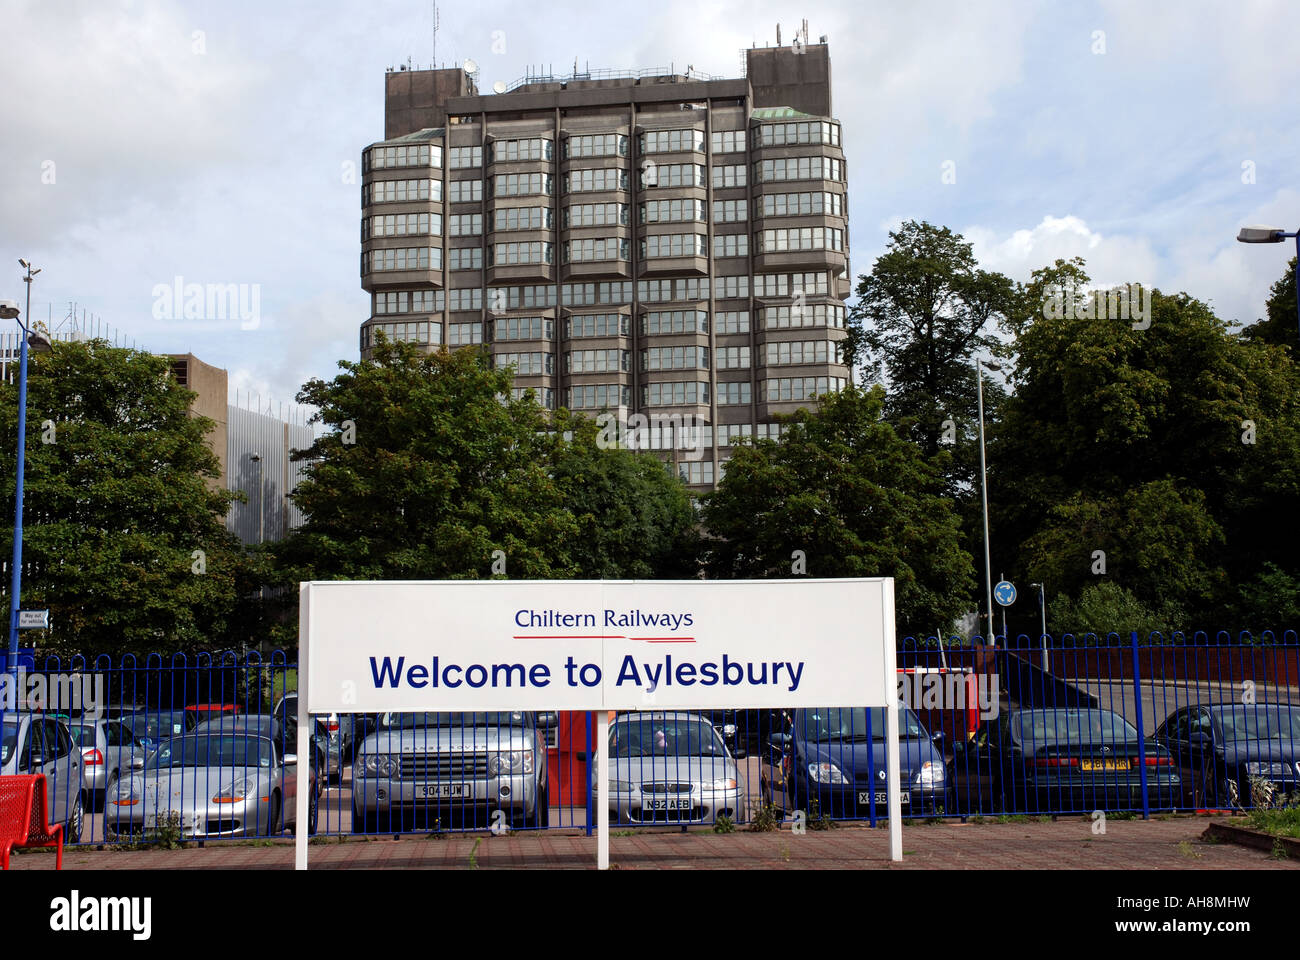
832, 762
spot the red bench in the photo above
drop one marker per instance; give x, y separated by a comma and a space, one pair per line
22, 817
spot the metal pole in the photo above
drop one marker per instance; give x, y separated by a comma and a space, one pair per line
1042, 606
16, 578
984, 492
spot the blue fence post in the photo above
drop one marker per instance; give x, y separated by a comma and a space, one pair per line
1142, 740
591, 752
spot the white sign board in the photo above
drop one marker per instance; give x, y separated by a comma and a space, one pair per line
480, 645
33, 619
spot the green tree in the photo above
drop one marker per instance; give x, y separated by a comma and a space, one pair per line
923, 312
634, 519
124, 537
428, 470
1281, 325
1173, 448
842, 487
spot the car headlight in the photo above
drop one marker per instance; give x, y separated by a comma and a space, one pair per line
510, 762
1268, 769
128, 793
825, 773
931, 774
621, 786
723, 784
236, 792
377, 765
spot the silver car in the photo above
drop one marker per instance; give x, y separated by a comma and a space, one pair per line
668, 767
108, 748
466, 764
213, 783
32, 743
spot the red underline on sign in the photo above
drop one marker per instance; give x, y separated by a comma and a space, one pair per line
566, 636
665, 639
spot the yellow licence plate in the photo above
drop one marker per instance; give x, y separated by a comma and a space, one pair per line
1104, 765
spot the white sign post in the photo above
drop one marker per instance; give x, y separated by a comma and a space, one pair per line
487, 645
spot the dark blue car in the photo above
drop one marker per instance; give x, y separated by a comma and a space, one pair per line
832, 761
1231, 754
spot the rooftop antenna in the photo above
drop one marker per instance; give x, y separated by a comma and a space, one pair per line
435, 36
778, 34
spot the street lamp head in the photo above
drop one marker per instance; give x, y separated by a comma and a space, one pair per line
23, 263
9, 310
1258, 234
37, 342
991, 365
255, 457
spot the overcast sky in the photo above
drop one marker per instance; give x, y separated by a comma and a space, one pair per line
145, 141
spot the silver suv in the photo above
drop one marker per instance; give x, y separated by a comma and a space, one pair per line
427, 766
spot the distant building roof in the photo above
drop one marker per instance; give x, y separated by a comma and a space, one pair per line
777, 113
428, 133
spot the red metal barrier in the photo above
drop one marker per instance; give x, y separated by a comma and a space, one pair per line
22, 818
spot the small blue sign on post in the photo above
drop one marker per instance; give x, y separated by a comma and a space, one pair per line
1004, 593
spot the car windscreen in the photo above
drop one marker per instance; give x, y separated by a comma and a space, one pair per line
1039, 727
664, 737
8, 741
1260, 722
417, 721
849, 724
153, 727
213, 751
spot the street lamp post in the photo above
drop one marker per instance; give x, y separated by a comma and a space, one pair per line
984, 491
1042, 606
261, 490
1275, 235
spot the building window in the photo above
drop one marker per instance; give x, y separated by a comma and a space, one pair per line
597, 396
675, 321
408, 301
733, 393
519, 254
732, 288
800, 132
465, 258
595, 215
522, 184
731, 245
539, 296
402, 225
803, 238
800, 204
729, 176
469, 298
729, 211
542, 396
593, 294
672, 211
729, 433
674, 394
673, 245
610, 248
527, 364
697, 473
732, 321
800, 351
415, 155
601, 178
654, 174
464, 334
524, 328
732, 358
728, 141
464, 157
597, 361
509, 151
523, 218
800, 168
405, 258
465, 224
805, 315
672, 141
685, 288
597, 325
465, 191
596, 145
400, 191
675, 358
415, 331
792, 389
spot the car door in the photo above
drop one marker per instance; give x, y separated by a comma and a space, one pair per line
288, 764
62, 770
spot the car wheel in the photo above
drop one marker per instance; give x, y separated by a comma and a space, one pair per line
275, 822
313, 814
364, 821
72, 832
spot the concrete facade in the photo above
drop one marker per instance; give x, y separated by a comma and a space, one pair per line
669, 249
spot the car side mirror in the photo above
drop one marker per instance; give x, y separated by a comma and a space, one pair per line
738, 753
548, 720
137, 763
290, 759
779, 741
1200, 740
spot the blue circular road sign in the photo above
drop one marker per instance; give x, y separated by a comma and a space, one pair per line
1004, 593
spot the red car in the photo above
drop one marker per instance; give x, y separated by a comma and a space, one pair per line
210, 711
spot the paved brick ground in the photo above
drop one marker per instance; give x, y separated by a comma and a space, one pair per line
1173, 844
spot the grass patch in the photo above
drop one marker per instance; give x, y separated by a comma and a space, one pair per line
764, 819
1279, 823
1187, 850
724, 824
